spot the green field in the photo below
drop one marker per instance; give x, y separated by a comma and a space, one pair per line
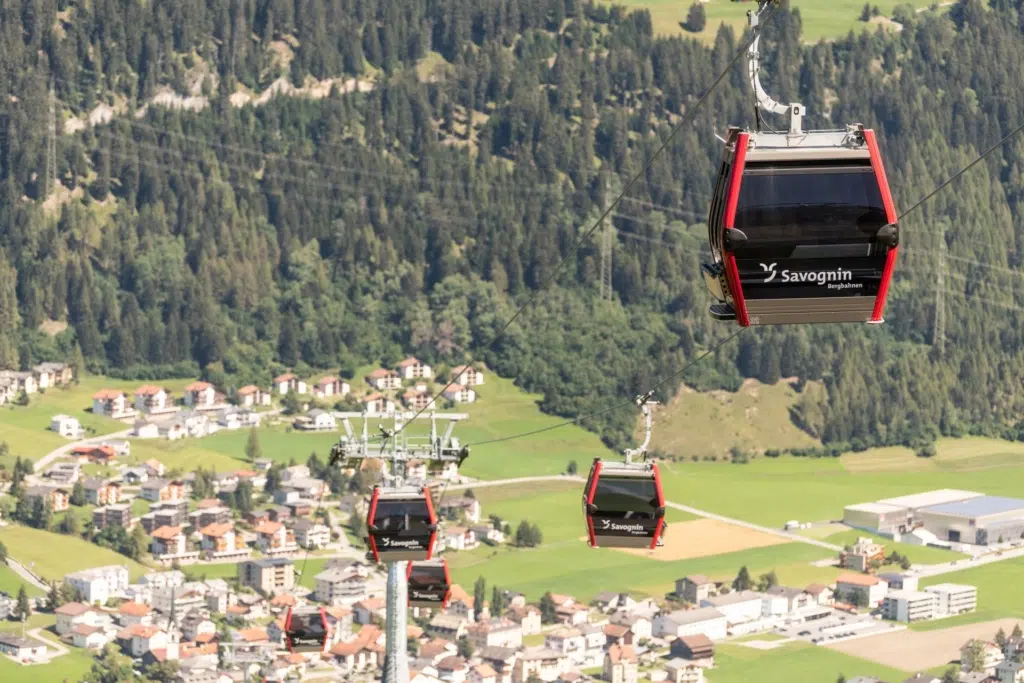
821, 18
10, 582
71, 667
755, 418
53, 555
1000, 593
792, 662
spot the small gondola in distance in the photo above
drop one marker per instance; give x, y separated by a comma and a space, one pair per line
802, 228
429, 584
624, 505
306, 630
401, 524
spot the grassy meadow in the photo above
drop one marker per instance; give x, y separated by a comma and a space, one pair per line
52, 555
792, 662
1000, 593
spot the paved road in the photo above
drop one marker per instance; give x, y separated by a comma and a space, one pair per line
47, 459
684, 508
966, 563
50, 643
24, 573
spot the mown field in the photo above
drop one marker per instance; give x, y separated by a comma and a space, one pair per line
52, 555
792, 662
71, 667
1000, 593
10, 582
822, 19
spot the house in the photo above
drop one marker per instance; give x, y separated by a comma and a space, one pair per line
331, 386
488, 534
528, 617
289, 382
416, 400
321, 420
539, 662
274, 538
197, 624
146, 639
234, 417
483, 673
568, 641
251, 396
154, 467
384, 380
693, 589
706, 620
990, 653
682, 671
453, 669
99, 492
99, 584
132, 613
447, 626
501, 659
88, 637
67, 426
57, 499
463, 507
221, 541
72, 614
860, 556
819, 593
112, 515
160, 490
151, 399
620, 664
339, 587
111, 403
495, 633
365, 610
860, 589
639, 625
377, 404
99, 455
362, 653
467, 375
20, 381
460, 603
65, 473
696, 649
310, 534
144, 429
22, 649
413, 368
270, 576
169, 544
460, 394
796, 598
922, 678
1008, 671
572, 614
200, 395
53, 375
616, 634
460, 538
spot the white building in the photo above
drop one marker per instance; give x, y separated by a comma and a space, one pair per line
467, 375
146, 430
905, 605
67, 426
738, 607
322, 420
413, 368
871, 589
954, 598
706, 620
460, 394
99, 584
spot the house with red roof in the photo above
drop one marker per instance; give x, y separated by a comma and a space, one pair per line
414, 368
251, 396
384, 379
289, 382
330, 387
467, 375
275, 539
112, 403
153, 399
200, 395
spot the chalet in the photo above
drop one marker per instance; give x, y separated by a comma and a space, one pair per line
460, 538
322, 420
234, 417
460, 603
154, 467
568, 641
460, 394
310, 534
200, 395
639, 625
289, 382
159, 490
413, 368
467, 375
57, 499
111, 403
72, 614
100, 455
132, 613
64, 473
528, 617
501, 659
122, 447
251, 396
362, 653
378, 404
821, 594
572, 614
447, 626
150, 398
617, 634
67, 426
221, 541
144, 429
462, 508
991, 656
274, 538
365, 610
681, 671
453, 669
53, 375
620, 664
384, 379
331, 386
99, 492
609, 601
693, 589
112, 515
696, 649
21, 381
483, 673
796, 598
488, 534
257, 479
416, 400
169, 543
495, 633
539, 662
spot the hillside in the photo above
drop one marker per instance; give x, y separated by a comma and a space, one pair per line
426, 165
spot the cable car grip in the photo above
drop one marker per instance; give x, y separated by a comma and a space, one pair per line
889, 235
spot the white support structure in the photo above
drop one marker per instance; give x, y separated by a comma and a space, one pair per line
764, 100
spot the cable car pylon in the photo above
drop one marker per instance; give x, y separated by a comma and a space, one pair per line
401, 521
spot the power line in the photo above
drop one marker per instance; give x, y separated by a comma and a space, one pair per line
687, 117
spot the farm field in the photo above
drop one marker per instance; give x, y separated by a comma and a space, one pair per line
70, 667
793, 662
53, 555
1000, 594
704, 537
821, 18
921, 650
564, 562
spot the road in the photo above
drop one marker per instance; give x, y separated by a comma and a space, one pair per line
24, 573
47, 459
966, 563
797, 538
51, 643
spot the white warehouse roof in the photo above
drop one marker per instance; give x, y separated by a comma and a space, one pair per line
920, 500
875, 508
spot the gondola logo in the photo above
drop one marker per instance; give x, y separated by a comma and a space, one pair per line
419, 595
607, 525
820, 277
395, 543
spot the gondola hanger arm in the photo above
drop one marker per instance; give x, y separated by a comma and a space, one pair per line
645, 403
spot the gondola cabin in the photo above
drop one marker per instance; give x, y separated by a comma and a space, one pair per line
802, 229
624, 505
401, 524
306, 631
429, 584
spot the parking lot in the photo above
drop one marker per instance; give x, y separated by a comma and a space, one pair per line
836, 627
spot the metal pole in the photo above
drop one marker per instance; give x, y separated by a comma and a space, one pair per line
396, 659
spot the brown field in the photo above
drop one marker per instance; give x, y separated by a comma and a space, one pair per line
920, 650
703, 537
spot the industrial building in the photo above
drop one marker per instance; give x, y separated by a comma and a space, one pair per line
904, 605
944, 516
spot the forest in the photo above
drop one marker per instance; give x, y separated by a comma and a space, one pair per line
459, 151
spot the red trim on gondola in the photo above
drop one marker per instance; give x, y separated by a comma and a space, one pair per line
595, 472
432, 516
448, 583
732, 272
661, 504
371, 513
890, 217
657, 533
287, 630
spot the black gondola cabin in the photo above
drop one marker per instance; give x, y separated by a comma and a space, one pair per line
624, 505
306, 631
401, 524
429, 584
802, 229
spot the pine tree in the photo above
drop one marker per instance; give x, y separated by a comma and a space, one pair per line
951, 675
1001, 638
696, 18
479, 593
78, 494
139, 543
56, 597
742, 581
253, 452
547, 608
1016, 633
23, 610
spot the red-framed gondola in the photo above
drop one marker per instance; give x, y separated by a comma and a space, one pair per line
401, 524
429, 583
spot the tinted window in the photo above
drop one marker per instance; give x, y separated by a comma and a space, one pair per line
824, 204
621, 495
402, 515
426, 577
